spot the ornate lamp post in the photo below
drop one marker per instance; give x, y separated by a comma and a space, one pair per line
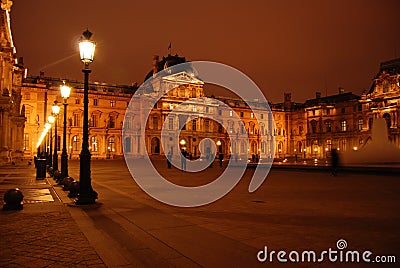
51, 120
65, 91
56, 110
86, 193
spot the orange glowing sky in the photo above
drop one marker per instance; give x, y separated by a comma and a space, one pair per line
284, 46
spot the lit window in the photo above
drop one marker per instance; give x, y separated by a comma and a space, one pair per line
360, 124
93, 141
111, 144
77, 101
113, 103
329, 126
344, 125
230, 113
75, 143
26, 141
252, 115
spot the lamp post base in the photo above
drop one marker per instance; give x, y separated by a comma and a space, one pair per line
87, 198
64, 165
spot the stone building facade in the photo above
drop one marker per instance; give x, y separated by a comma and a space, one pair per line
11, 73
107, 105
306, 130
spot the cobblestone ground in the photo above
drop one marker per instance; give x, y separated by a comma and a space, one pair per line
43, 234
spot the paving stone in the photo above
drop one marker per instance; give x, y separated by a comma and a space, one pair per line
43, 234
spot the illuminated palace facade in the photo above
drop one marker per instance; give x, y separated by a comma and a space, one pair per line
11, 73
301, 130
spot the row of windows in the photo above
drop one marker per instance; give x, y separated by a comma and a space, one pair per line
113, 103
93, 144
75, 121
194, 122
328, 111
241, 114
343, 125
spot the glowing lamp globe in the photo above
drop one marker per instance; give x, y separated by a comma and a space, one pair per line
65, 91
86, 47
55, 108
51, 119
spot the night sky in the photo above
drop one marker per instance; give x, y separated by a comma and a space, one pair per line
284, 46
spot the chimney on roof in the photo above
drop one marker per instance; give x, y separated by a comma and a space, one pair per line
317, 95
155, 64
287, 101
341, 90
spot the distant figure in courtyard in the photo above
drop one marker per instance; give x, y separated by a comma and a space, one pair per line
183, 160
334, 161
169, 157
220, 157
209, 159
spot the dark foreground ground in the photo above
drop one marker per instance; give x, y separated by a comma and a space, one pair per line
292, 210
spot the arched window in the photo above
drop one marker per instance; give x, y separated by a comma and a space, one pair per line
299, 146
313, 126
280, 147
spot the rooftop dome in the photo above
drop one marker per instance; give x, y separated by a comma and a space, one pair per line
164, 63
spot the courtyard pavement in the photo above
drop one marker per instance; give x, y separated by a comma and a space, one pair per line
293, 210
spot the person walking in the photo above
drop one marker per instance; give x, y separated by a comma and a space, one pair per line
183, 160
334, 161
169, 157
220, 157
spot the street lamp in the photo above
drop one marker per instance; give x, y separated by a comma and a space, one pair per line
65, 91
56, 110
50, 120
86, 193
